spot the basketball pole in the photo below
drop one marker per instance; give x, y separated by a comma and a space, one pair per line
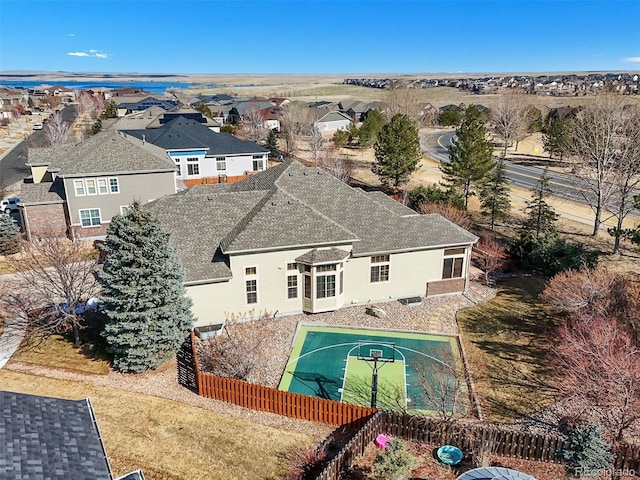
374, 383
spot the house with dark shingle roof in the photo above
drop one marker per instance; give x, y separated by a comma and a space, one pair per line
202, 155
295, 239
77, 189
46, 438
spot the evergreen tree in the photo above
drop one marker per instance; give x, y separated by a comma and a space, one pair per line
148, 314
371, 127
434, 194
110, 111
340, 138
204, 110
494, 194
9, 235
540, 216
586, 450
555, 137
397, 151
470, 155
271, 144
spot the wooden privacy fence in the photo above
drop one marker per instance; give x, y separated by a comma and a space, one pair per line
294, 405
469, 438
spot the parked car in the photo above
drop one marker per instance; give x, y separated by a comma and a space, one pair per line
37, 126
8, 205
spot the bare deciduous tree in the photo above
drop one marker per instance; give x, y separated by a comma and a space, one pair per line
237, 351
317, 144
599, 138
456, 215
252, 124
51, 271
411, 102
597, 366
444, 388
337, 165
491, 255
295, 121
57, 130
509, 119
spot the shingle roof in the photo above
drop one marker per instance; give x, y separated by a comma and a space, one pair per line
49, 438
105, 153
181, 133
289, 206
334, 117
323, 255
42, 193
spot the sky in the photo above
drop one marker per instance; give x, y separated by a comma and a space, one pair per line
319, 36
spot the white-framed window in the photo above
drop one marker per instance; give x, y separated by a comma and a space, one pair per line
91, 186
452, 266
193, 166
78, 186
251, 284
326, 281
124, 209
379, 268
221, 164
114, 185
90, 217
102, 186
179, 166
292, 280
258, 163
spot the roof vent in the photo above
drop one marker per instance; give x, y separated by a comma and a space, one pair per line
274, 203
291, 202
305, 173
210, 198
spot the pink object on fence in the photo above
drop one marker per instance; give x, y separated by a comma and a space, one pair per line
381, 441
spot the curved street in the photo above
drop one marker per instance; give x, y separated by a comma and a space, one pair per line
561, 185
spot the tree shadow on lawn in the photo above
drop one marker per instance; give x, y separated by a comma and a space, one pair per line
512, 334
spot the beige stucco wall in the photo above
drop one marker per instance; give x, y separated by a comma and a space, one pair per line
409, 274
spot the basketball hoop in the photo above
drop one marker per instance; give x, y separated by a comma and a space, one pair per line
376, 352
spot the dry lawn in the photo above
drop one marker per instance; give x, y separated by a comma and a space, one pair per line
507, 340
58, 352
170, 440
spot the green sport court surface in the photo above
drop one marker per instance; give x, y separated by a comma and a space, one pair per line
324, 363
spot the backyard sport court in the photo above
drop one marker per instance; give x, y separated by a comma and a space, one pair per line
337, 363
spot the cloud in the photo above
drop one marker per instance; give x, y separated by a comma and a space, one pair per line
91, 53
71, 34
631, 59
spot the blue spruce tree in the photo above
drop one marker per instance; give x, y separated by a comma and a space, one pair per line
148, 314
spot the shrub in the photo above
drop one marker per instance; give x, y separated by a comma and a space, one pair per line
434, 194
451, 213
549, 254
305, 460
394, 462
586, 450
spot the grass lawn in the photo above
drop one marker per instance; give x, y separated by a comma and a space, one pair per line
507, 341
170, 440
58, 352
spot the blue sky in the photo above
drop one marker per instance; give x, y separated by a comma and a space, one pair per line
319, 36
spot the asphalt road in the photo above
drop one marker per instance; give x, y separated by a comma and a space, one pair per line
12, 165
561, 185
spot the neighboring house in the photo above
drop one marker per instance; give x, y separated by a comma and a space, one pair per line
204, 156
294, 239
46, 438
131, 105
333, 121
77, 189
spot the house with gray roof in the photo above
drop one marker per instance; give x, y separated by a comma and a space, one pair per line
295, 239
202, 155
46, 438
332, 121
77, 189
